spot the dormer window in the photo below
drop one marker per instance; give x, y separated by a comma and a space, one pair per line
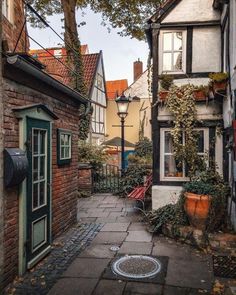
173, 51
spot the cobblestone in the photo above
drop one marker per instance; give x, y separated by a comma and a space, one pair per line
40, 279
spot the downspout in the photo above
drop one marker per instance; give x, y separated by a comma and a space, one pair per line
155, 30
1, 162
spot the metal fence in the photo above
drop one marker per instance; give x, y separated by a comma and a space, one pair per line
106, 179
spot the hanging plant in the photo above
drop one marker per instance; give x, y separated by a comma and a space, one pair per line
182, 106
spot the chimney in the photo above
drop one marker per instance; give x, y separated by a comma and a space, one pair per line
138, 69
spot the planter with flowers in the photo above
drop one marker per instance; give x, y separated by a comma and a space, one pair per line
166, 81
200, 93
219, 82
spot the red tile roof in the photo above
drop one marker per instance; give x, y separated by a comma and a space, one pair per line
59, 69
115, 88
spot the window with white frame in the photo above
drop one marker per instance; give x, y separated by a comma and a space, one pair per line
173, 51
64, 146
171, 169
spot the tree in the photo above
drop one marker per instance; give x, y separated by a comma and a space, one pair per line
129, 16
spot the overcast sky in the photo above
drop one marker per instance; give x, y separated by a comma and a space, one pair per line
119, 53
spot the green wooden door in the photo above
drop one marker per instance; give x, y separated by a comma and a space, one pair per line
38, 228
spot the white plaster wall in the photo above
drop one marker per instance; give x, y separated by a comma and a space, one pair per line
210, 111
194, 81
140, 87
206, 49
192, 11
163, 195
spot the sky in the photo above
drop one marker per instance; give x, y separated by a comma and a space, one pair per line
119, 53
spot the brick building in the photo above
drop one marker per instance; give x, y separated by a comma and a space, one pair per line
41, 120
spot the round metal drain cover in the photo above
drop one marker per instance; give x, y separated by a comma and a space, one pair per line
137, 266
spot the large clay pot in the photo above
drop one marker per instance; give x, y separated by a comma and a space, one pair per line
197, 208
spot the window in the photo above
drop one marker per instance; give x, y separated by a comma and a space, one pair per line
64, 147
171, 169
98, 119
173, 51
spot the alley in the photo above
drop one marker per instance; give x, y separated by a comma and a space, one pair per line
186, 271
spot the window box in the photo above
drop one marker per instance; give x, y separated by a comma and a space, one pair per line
163, 95
64, 143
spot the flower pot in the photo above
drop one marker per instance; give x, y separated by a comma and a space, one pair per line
197, 208
199, 95
163, 95
219, 86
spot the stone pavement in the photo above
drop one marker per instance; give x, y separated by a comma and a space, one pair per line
189, 272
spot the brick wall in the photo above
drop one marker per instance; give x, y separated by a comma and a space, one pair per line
64, 178
12, 28
85, 178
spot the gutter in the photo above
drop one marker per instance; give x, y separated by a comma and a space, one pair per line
19, 63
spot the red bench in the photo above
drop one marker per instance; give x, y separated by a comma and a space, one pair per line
138, 194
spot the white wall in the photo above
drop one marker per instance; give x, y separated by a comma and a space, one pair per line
163, 195
192, 11
206, 49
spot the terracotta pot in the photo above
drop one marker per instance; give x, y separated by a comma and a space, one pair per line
163, 95
197, 208
199, 95
219, 86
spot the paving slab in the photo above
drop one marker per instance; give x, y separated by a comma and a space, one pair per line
143, 288
115, 227
88, 219
98, 214
69, 286
136, 248
112, 287
99, 251
169, 290
113, 209
178, 251
86, 268
106, 220
110, 238
138, 236
109, 205
189, 274
137, 226
117, 214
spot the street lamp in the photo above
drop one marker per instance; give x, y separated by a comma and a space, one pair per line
123, 105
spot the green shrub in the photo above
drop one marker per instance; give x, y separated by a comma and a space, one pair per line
143, 148
199, 187
92, 154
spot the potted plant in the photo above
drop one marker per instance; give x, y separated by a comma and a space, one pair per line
200, 93
219, 81
206, 199
197, 202
166, 81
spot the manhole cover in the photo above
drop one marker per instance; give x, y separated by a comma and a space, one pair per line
137, 266
224, 266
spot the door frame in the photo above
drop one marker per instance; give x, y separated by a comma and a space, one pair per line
40, 112
33, 215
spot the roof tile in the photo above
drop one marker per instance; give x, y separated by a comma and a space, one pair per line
116, 87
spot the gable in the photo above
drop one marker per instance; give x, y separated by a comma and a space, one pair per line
192, 11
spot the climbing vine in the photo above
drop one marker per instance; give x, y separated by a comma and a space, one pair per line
182, 105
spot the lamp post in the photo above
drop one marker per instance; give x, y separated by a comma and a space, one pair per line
123, 105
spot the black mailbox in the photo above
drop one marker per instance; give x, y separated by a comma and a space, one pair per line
15, 166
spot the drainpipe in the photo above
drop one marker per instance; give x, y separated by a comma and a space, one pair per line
155, 30
1, 160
